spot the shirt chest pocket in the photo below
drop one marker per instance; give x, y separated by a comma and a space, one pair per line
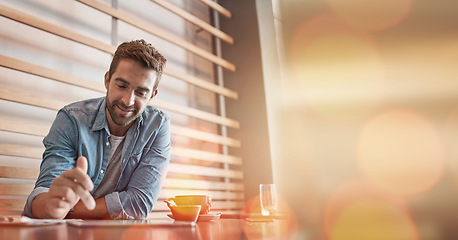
132, 162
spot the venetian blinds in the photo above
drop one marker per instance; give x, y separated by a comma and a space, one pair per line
56, 52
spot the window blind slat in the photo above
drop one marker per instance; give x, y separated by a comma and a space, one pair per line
158, 32
216, 205
18, 172
30, 99
54, 29
18, 189
76, 37
215, 195
194, 20
207, 156
24, 128
202, 184
12, 204
204, 171
217, 7
205, 136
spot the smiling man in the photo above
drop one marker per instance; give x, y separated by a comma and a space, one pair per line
106, 157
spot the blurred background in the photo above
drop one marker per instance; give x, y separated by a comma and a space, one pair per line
362, 111
363, 116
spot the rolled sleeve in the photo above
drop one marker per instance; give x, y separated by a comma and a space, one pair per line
28, 205
114, 206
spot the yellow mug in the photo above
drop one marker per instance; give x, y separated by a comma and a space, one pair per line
205, 201
189, 213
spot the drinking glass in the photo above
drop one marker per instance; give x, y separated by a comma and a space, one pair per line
268, 196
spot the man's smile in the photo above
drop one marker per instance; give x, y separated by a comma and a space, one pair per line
125, 110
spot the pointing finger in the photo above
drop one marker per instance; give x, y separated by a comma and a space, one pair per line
85, 197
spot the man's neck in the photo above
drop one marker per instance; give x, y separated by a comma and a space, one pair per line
116, 129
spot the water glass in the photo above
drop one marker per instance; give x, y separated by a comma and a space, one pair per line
268, 197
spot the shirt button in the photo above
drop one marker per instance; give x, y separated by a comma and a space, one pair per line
108, 143
101, 171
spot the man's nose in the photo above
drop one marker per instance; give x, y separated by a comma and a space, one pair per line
128, 99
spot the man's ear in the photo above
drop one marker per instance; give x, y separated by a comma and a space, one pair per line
154, 94
107, 80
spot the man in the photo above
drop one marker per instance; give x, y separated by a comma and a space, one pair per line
105, 157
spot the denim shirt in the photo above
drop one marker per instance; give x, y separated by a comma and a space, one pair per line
81, 129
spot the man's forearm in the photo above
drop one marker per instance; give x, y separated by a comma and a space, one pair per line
81, 212
40, 209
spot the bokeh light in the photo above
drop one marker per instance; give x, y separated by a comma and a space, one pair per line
450, 132
334, 66
374, 15
285, 228
252, 206
368, 218
401, 152
359, 210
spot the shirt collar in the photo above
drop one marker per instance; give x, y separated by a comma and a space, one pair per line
101, 118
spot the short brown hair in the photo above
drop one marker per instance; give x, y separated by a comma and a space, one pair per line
142, 52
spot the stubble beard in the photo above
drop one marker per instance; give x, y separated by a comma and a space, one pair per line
117, 119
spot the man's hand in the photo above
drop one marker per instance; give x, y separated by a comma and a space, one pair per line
65, 192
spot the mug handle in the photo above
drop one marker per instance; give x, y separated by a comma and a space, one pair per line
171, 202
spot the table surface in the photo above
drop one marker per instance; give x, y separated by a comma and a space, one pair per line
215, 229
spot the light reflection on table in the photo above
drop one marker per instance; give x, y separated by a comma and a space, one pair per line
215, 229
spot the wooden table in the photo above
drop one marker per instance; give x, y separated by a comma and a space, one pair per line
215, 229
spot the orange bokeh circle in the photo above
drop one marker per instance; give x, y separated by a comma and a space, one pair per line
401, 152
374, 15
334, 67
360, 210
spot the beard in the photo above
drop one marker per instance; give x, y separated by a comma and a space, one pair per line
120, 119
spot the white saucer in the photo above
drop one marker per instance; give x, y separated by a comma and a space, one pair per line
209, 217
203, 217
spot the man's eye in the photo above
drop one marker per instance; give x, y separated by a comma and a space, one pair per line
141, 94
121, 86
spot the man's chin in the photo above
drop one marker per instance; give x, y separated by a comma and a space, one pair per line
122, 120
123, 123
